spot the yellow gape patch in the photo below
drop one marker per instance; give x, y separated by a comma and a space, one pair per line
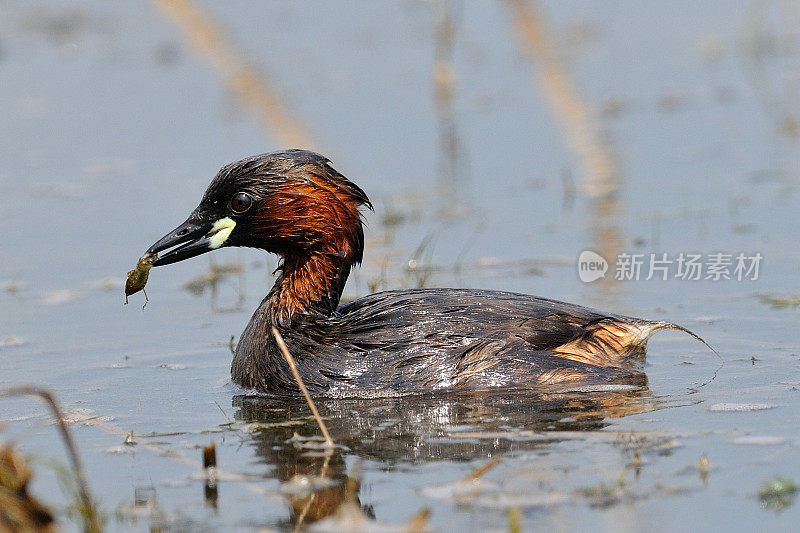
220, 232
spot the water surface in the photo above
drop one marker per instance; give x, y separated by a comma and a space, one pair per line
489, 135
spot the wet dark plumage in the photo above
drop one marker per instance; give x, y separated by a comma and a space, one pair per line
434, 338
392, 342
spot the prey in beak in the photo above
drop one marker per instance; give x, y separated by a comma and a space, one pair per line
194, 237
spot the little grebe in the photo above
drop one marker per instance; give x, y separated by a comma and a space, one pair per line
293, 203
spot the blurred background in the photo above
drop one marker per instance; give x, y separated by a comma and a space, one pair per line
498, 140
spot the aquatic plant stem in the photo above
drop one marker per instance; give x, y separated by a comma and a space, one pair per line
299, 380
90, 513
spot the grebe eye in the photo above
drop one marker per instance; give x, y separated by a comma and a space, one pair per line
241, 202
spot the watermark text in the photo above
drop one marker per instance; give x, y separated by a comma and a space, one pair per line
687, 266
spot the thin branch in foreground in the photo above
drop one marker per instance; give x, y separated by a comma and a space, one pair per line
299, 380
89, 512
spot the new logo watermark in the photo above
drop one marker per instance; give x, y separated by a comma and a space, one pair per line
687, 266
591, 266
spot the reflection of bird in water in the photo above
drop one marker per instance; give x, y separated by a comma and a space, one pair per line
283, 451
295, 204
441, 427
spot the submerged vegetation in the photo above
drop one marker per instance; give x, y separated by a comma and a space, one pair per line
779, 302
777, 493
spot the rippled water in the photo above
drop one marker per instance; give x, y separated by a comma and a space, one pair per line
489, 136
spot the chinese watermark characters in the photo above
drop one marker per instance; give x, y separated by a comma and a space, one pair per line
717, 266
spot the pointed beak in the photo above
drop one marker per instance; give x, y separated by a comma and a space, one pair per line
192, 238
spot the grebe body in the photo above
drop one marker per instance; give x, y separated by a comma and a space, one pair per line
293, 203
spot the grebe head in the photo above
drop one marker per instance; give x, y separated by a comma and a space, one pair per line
292, 203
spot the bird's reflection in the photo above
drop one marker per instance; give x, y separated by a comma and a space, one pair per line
421, 429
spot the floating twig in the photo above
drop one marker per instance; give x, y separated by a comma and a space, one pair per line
478, 473
229, 421
419, 522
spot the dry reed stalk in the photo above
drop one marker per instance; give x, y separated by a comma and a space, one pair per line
303, 389
88, 509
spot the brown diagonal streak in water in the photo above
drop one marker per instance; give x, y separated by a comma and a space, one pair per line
578, 127
205, 37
